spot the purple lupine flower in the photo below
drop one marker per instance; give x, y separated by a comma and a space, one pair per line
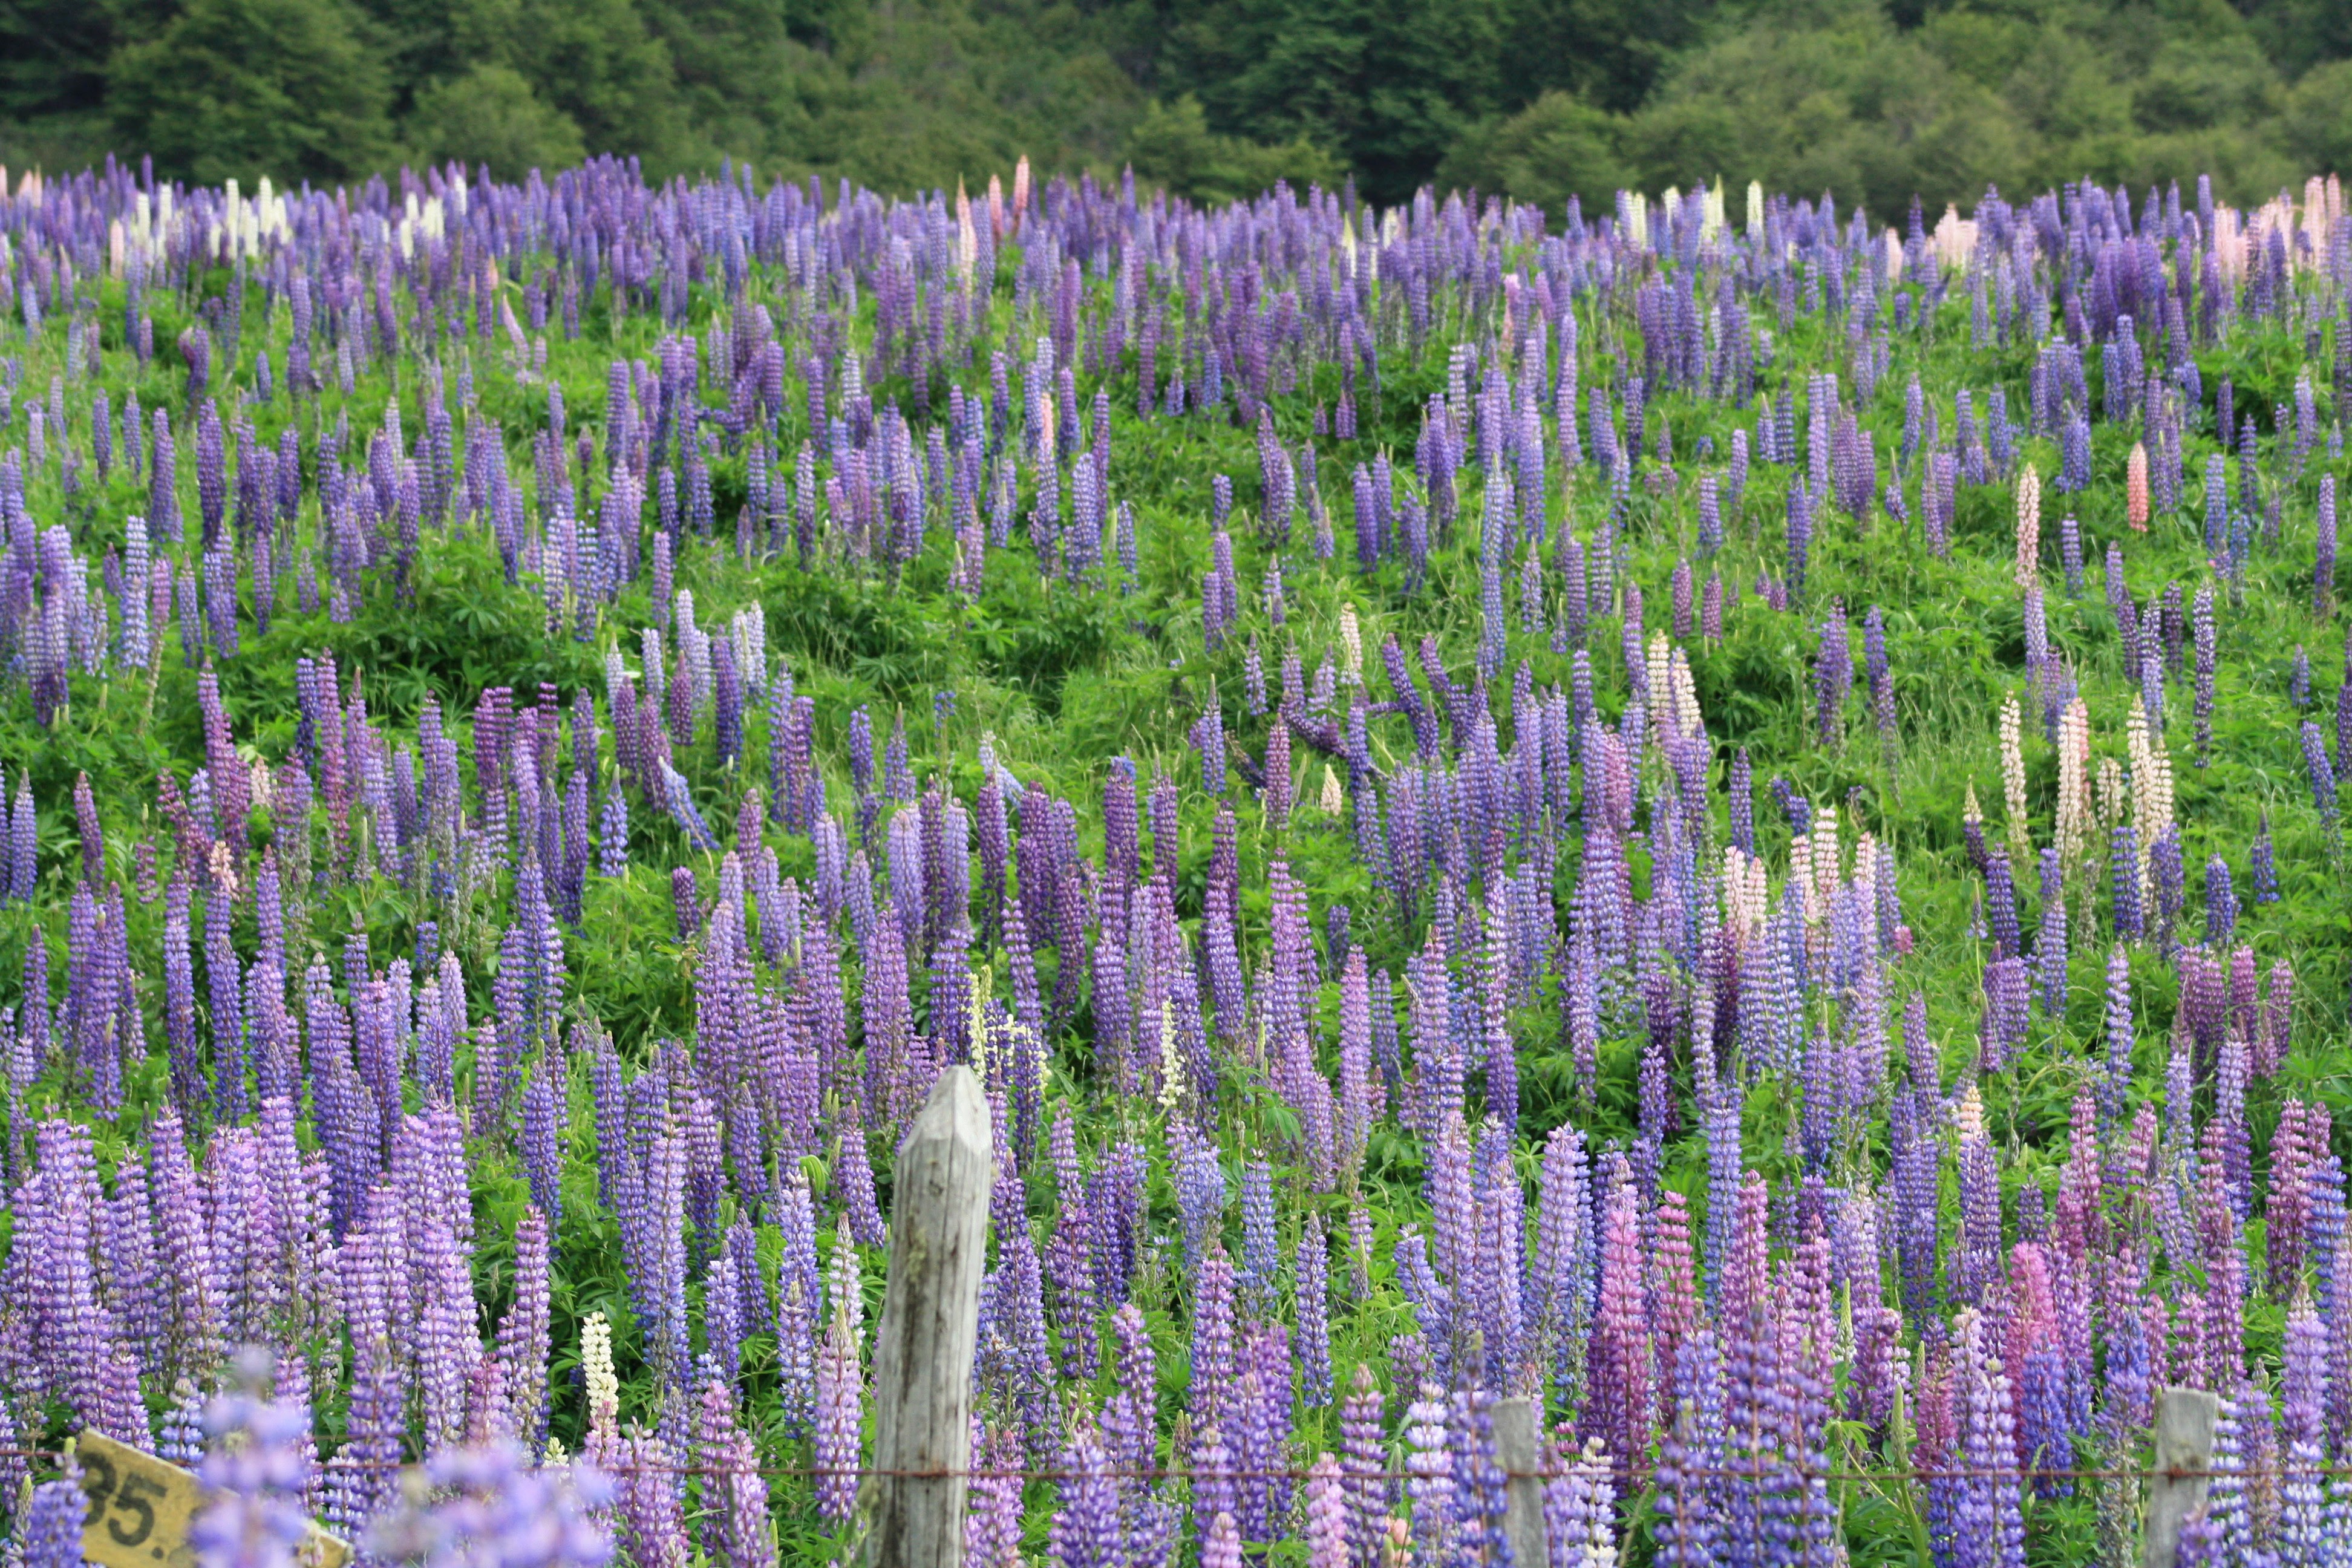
2319, 773
1115, 1211
1799, 537
1209, 740
1261, 1255
1327, 1514
2050, 943
1199, 1184
2220, 903
1313, 1283
2123, 880
1621, 1372
2261, 863
651, 1504
1130, 1434
487, 1504
1366, 1462
1687, 1503
522, 1341
1429, 1487
1085, 1532
53, 1520
2169, 877
163, 483
181, 1439
1978, 1260
543, 1111
1581, 1505
1213, 1363
1479, 1483
2322, 574
734, 1491
1833, 677
1988, 1509
685, 899
854, 1173
2117, 1081
993, 1521
257, 1472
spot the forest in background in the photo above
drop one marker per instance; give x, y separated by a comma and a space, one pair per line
1876, 100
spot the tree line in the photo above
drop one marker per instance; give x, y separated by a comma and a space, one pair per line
1878, 101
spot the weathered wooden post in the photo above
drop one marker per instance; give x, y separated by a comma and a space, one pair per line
1517, 1447
930, 1321
2184, 1442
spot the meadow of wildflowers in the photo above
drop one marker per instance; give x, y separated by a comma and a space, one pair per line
1725, 816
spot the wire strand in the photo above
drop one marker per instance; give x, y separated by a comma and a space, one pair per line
1647, 1473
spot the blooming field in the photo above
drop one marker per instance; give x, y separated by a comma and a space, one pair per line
1722, 818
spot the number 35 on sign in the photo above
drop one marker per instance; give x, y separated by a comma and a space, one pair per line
141, 1508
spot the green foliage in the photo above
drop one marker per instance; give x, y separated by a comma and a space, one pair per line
1834, 95
53, 56
1558, 149
1389, 84
492, 117
925, 95
238, 89
1609, 52
2317, 119
2301, 34
1174, 146
1875, 100
597, 61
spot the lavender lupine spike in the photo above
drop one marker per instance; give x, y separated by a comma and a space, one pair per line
52, 1522
1313, 1288
734, 1491
258, 1471
488, 1503
2220, 902
523, 1335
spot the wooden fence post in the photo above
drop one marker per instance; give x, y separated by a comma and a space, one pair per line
2184, 1441
1515, 1446
931, 1322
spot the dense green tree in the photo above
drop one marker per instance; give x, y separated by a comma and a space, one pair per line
1607, 52
1836, 99
53, 55
2301, 34
1877, 100
1387, 85
598, 62
1173, 147
421, 43
1834, 95
732, 63
2316, 119
238, 89
1557, 148
490, 116
916, 97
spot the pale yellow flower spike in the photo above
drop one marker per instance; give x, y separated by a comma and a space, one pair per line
2073, 783
596, 1372
1171, 1066
2012, 783
2029, 527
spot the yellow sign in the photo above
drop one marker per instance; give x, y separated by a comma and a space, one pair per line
140, 1509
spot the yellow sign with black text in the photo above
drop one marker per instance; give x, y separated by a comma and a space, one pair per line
140, 1509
